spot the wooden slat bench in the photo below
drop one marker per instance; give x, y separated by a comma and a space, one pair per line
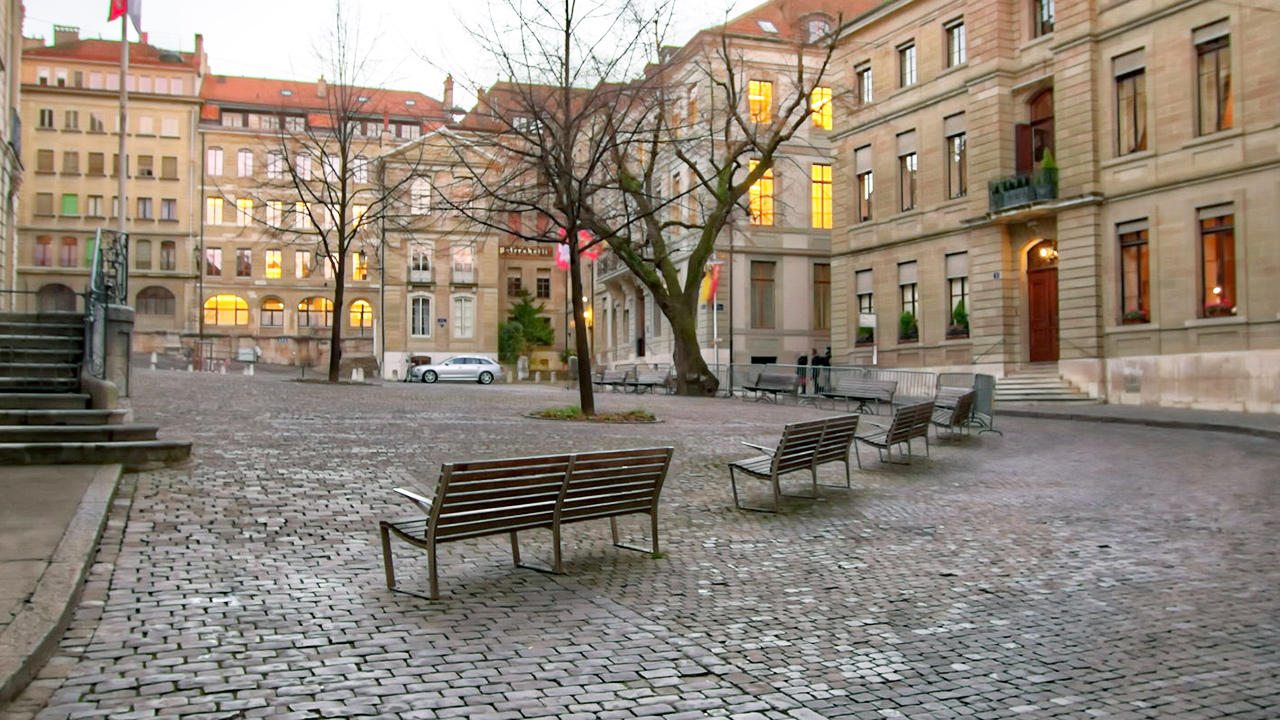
769, 384
612, 379
952, 410
909, 422
647, 380
864, 391
495, 497
804, 446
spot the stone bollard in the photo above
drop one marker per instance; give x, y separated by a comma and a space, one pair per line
537, 376
553, 377
153, 361
190, 367
252, 369
222, 368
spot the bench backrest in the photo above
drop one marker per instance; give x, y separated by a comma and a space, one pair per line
777, 381
609, 376
799, 444
963, 408
910, 421
614, 482
485, 497
651, 377
837, 436
882, 389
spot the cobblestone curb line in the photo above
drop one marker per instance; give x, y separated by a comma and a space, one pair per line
1149, 422
33, 636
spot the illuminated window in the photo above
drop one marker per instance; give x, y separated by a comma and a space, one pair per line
303, 262
1217, 261
361, 314
213, 210
275, 262
820, 104
226, 310
359, 266
302, 216
316, 312
1135, 277
357, 214
420, 316
271, 313
244, 212
820, 196
760, 100
1213, 83
761, 196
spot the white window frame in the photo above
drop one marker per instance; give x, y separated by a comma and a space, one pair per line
430, 321
456, 303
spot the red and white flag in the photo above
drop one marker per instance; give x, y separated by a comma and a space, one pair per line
132, 8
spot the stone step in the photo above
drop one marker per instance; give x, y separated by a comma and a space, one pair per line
77, 433
17, 327
134, 455
1082, 400
38, 371
47, 342
53, 317
39, 356
70, 416
43, 401
27, 384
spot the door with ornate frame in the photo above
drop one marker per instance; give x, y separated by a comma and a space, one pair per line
1042, 301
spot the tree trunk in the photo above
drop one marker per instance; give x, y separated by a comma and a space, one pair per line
586, 397
335, 334
693, 377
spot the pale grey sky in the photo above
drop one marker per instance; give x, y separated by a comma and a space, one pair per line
276, 38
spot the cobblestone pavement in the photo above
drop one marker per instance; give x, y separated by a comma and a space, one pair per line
1063, 570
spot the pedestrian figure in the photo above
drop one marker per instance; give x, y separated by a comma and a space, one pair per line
815, 360
802, 370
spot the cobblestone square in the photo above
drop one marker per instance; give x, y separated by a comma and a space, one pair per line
1063, 570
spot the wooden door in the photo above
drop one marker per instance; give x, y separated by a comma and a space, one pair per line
1042, 294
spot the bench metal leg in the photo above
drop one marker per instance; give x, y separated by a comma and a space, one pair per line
653, 537
387, 560
515, 553
733, 481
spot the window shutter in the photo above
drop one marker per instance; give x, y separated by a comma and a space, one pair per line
907, 274
1216, 211
1129, 62
953, 125
907, 143
862, 159
1222, 28
1132, 226
957, 265
864, 282
1023, 162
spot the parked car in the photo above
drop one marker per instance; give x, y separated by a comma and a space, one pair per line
461, 367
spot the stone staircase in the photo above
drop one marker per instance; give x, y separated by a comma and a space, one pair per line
45, 419
1040, 383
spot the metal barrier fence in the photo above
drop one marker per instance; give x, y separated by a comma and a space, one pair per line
108, 285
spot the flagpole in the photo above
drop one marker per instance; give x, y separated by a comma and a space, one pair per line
122, 169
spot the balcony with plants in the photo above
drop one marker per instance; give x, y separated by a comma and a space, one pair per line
1025, 189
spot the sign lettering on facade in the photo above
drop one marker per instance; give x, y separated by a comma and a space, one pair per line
525, 250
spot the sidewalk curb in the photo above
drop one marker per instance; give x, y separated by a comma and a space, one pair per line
32, 637
1149, 422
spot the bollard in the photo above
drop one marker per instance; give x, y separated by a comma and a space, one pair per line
153, 361
190, 367
553, 377
251, 369
537, 376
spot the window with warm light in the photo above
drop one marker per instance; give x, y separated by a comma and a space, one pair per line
1135, 278
820, 196
226, 310
1217, 261
760, 196
1213, 78
360, 314
275, 264
820, 107
357, 214
359, 266
315, 312
760, 100
303, 263
272, 313
244, 212
213, 210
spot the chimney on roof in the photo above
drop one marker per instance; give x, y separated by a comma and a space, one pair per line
322, 88
143, 39
448, 92
65, 34
29, 43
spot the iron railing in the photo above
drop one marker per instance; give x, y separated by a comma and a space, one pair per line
1020, 190
108, 285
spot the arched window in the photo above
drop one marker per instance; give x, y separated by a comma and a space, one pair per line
56, 298
361, 314
226, 310
1041, 108
420, 316
315, 312
271, 314
155, 300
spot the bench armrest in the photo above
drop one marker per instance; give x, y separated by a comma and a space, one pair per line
873, 424
421, 500
761, 448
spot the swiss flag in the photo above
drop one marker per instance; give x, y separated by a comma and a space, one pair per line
133, 8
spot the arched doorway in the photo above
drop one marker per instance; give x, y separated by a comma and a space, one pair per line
56, 298
1042, 301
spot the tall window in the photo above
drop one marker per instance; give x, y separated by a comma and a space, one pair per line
44, 252
97, 163
953, 129
360, 169
71, 163
275, 213
359, 266
909, 296
360, 315
864, 287
464, 317
71, 120
420, 316
168, 209
821, 296
145, 208
464, 264
907, 65
213, 262
302, 166
168, 255
515, 282
275, 165
302, 215
907, 160
244, 262
862, 84
46, 118
273, 259
820, 196
315, 312
272, 313
957, 267
169, 167
244, 163
1213, 79
213, 210
226, 310
820, 107
866, 182
68, 252
420, 196
142, 254
420, 262
1131, 102
761, 196
760, 100
156, 300
1217, 261
762, 315
244, 212
1135, 278
543, 289
303, 263
213, 162
957, 43
1042, 17
93, 206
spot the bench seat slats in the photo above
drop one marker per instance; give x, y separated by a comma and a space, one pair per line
804, 446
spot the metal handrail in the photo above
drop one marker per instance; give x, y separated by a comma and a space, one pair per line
988, 351
108, 285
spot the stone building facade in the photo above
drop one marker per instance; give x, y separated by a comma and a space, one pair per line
11, 168
1092, 181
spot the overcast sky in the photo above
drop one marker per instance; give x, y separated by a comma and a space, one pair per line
418, 41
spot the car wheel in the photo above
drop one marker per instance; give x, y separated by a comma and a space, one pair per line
485, 378
429, 376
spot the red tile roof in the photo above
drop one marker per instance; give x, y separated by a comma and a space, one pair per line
108, 51
788, 17
267, 93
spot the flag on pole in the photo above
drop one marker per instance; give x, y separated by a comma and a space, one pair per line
132, 8
710, 281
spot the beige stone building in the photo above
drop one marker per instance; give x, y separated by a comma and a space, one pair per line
1093, 182
11, 174
70, 115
